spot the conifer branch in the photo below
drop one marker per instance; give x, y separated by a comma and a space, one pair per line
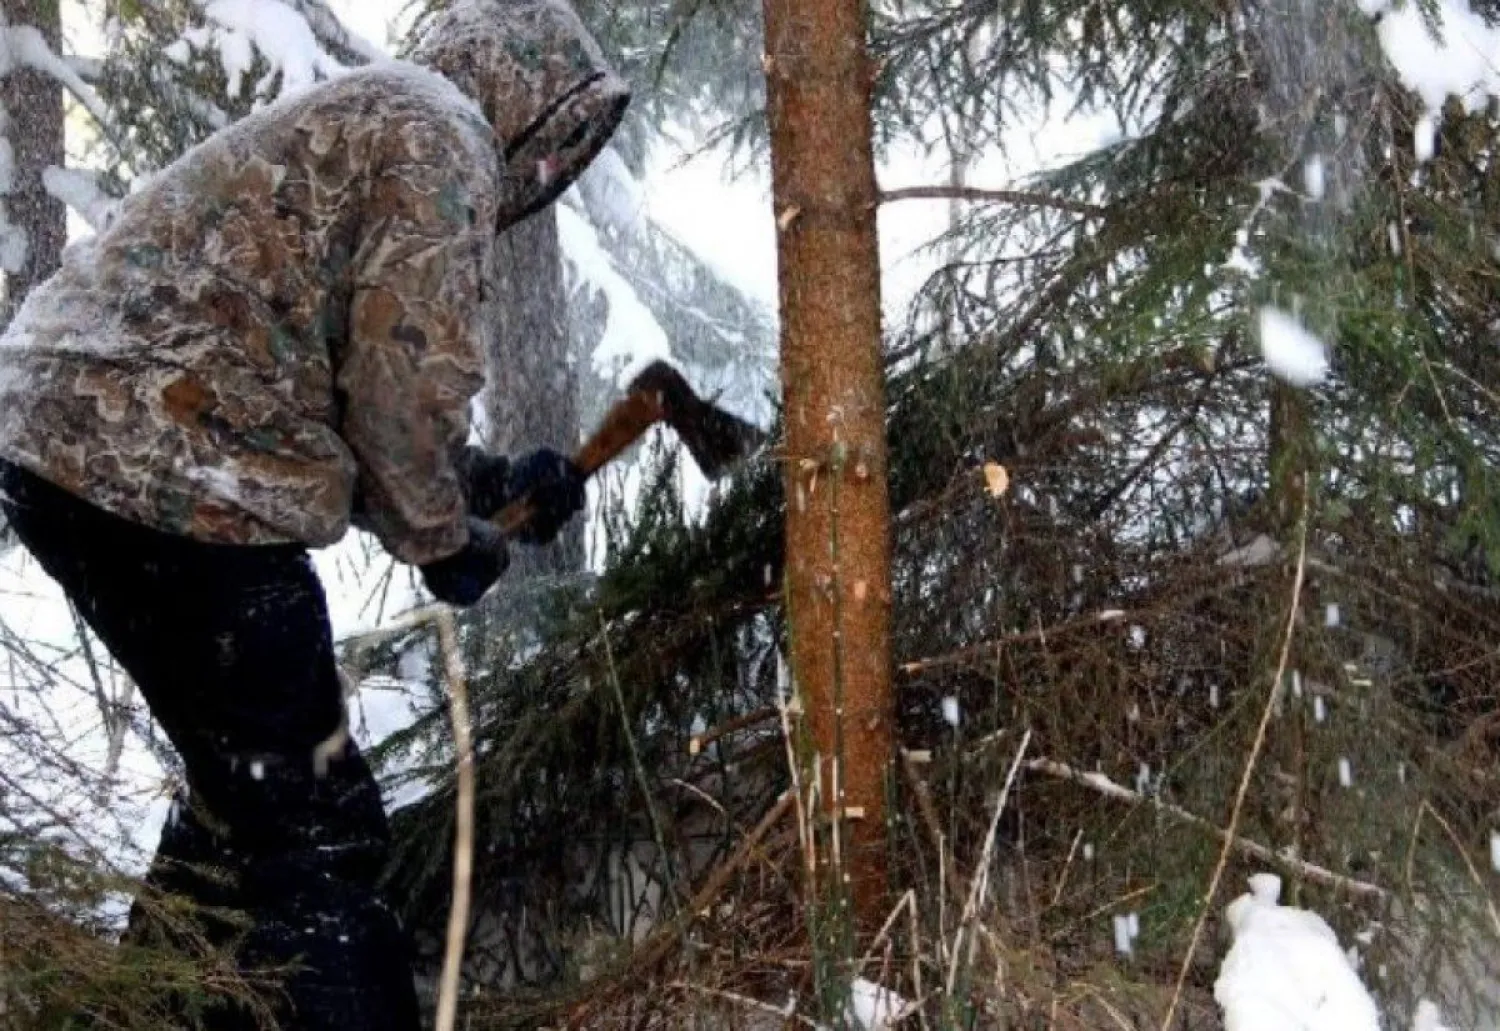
1020, 198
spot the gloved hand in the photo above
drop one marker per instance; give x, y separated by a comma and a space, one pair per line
463, 577
556, 487
490, 482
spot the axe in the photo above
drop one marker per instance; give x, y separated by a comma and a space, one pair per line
658, 394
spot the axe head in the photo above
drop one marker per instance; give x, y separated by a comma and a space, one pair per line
715, 438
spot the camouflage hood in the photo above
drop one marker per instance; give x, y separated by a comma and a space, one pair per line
542, 83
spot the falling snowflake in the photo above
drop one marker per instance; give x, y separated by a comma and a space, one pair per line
1291, 352
1313, 178
1127, 929
950, 710
1424, 138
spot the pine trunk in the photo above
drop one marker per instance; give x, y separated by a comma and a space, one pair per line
532, 399
838, 591
34, 103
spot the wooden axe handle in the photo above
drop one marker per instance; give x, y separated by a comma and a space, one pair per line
624, 424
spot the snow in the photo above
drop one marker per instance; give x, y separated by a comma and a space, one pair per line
1346, 773
1331, 614
1320, 709
1291, 352
57, 744
1286, 971
632, 337
1428, 1017
23, 46
873, 1007
280, 34
80, 191
1464, 61
1313, 178
613, 196
950, 711
1424, 138
1495, 850
15, 245
1124, 940
7, 166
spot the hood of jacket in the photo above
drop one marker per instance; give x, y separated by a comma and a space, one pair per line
543, 84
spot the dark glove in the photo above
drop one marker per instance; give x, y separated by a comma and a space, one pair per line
556, 488
463, 577
490, 482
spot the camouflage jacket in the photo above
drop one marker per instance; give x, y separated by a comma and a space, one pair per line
278, 334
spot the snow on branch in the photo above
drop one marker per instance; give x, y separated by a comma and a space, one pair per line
337, 36
632, 336
23, 46
80, 191
239, 29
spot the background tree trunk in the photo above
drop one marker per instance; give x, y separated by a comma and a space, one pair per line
838, 520
34, 105
532, 398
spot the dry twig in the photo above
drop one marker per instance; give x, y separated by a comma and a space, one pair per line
463, 842
1231, 832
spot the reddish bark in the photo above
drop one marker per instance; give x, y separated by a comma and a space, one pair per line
838, 593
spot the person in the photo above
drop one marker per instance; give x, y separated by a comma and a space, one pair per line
277, 338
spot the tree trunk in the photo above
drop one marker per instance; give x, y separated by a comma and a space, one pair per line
532, 399
34, 103
838, 590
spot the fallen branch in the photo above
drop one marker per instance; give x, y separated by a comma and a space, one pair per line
1101, 784
1021, 198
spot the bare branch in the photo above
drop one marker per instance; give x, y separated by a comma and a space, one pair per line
1110, 789
1020, 198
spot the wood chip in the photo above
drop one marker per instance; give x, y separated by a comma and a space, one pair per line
996, 479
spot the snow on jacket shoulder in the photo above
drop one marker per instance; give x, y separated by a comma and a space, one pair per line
279, 333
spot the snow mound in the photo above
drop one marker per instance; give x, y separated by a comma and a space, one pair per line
1292, 353
1286, 972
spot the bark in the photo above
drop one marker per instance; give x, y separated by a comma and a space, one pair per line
34, 102
838, 590
532, 399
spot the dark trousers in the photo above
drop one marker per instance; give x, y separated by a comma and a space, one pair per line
231, 648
